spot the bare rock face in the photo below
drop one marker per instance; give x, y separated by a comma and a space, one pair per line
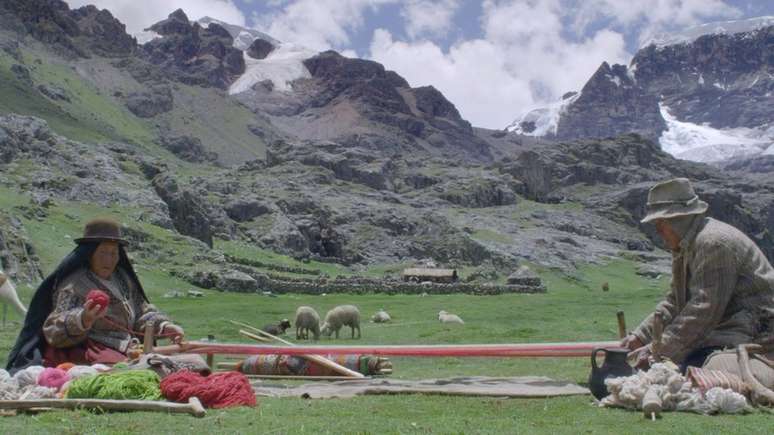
188, 148
260, 48
611, 103
76, 33
724, 80
194, 55
185, 208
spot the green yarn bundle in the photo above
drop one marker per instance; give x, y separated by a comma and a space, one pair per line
124, 385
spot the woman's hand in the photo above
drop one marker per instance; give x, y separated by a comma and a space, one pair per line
91, 312
171, 328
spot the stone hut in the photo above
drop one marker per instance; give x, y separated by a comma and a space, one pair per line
444, 276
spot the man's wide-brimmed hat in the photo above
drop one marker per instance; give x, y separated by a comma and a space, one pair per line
671, 199
102, 230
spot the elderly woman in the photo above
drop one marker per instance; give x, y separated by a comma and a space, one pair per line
63, 326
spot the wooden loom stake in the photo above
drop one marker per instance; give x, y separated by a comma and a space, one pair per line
254, 337
621, 324
147, 341
658, 331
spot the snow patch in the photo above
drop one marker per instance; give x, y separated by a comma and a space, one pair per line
243, 37
702, 143
146, 36
614, 79
545, 119
693, 33
701, 79
281, 66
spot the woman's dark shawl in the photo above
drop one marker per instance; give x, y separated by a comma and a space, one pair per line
28, 349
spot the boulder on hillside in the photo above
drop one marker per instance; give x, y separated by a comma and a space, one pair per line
148, 104
243, 210
260, 48
188, 148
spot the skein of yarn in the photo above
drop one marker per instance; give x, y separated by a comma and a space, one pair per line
28, 376
65, 366
125, 385
79, 371
219, 390
52, 378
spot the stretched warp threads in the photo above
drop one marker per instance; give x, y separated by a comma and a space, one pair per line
53, 378
219, 390
297, 366
127, 385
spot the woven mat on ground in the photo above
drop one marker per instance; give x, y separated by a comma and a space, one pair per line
525, 386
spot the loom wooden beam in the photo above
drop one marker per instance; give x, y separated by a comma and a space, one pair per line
519, 350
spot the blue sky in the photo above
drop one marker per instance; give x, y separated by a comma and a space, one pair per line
494, 59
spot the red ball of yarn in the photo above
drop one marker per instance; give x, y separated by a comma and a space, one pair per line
218, 390
99, 298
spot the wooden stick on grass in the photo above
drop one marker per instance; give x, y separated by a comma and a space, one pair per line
314, 358
193, 407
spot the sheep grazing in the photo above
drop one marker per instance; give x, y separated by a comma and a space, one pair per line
277, 329
445, 317
381, 316
307, 320
343, 315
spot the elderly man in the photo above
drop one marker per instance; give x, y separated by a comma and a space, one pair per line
722, 284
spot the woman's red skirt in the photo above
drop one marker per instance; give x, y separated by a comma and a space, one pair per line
87, 353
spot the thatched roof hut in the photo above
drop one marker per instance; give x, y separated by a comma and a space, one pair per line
433, 275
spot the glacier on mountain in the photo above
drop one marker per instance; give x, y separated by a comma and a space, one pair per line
542, 121
281, 66
702, 143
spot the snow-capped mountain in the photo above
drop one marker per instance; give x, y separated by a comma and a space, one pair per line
691, 34
705, 94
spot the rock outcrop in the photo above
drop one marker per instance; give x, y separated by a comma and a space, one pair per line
192, 54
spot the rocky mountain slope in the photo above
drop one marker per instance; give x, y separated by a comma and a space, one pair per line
707, 97
346, 171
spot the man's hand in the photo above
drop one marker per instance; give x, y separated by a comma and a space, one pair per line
631, 342
642, 357
176, 330
91, 312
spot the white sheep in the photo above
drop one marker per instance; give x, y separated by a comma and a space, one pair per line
445, 317
381, 316
343, 315
307, 320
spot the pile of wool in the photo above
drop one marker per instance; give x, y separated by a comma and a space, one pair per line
675, 391
12, 389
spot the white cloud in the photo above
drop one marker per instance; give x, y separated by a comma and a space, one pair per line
522, 61
318, 24
429, 17
140, 14
653, 16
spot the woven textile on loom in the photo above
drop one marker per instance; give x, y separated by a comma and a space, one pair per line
297, 366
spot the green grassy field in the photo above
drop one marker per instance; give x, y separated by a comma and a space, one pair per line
572, 310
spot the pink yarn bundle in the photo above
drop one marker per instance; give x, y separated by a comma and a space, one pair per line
53, 378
